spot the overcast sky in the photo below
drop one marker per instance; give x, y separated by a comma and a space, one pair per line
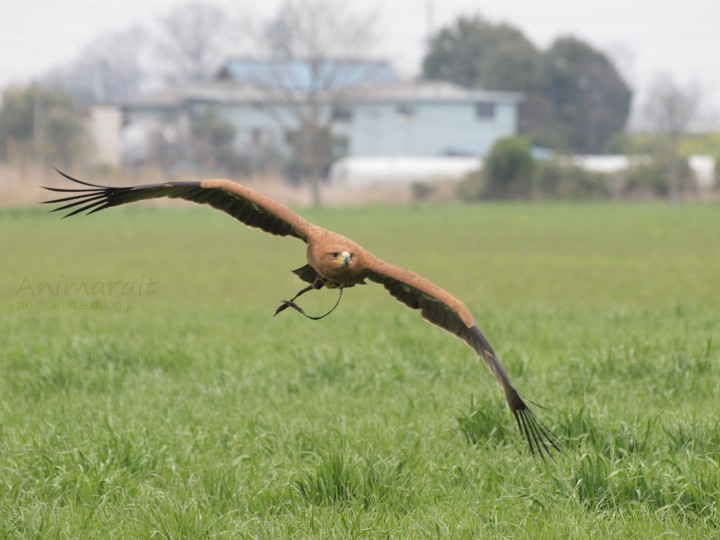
645, 37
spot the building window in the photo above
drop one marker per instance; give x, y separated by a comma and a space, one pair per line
406, 112
484, 110
342, 114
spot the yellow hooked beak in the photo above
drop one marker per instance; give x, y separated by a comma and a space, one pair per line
344, 258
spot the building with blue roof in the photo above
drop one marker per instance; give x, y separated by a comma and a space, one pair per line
369, 107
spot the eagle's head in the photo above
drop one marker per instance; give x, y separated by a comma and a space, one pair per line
342, 258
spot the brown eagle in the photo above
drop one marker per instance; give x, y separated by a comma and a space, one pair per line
334, 261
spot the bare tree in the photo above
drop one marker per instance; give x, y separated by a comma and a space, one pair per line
669, 110
118, 71
109, 68
326, 37
191, 41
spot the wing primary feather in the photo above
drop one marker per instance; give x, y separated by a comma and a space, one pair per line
524, 430
539, 438
97, 209
82, 209
66, 190
65, 199
78, 181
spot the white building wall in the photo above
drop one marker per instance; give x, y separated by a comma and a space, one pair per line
104, 124
377, 129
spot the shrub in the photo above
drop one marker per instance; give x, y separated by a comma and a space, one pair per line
507, 174
422, 191
508, 170
650, 179
471, 186
555, 180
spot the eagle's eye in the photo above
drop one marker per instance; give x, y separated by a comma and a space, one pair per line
341, 258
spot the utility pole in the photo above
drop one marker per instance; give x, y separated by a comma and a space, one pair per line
38, 144
429, 22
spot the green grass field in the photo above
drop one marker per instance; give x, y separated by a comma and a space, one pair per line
146, 391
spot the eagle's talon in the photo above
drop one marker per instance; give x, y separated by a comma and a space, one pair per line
290, 303
282, 307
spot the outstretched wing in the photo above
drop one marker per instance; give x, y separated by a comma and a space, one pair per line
241, 202
444, 310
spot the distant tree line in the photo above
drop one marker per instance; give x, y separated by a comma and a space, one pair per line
575, 98
41, 126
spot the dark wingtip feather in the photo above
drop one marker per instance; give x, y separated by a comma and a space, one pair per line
76, 180
66, 190
540, 438
91, 198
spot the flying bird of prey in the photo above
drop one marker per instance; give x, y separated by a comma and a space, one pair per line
333, 261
